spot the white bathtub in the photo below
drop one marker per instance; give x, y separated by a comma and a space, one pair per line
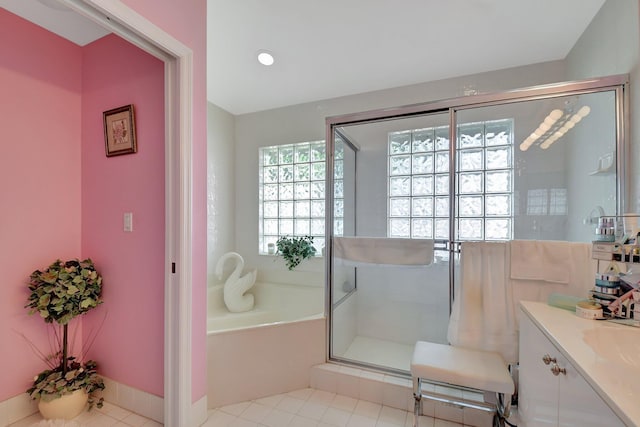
274, 303
265, 351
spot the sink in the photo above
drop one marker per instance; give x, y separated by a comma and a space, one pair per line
620, 345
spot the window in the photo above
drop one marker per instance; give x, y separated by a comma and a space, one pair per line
292, 192
419, 182
544, 201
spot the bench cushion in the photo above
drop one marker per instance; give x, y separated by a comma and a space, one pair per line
482, 370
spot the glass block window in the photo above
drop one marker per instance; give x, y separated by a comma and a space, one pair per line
292, 192
558, 201
419, 182
537, 201
542, 201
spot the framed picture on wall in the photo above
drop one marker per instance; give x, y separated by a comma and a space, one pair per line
119, 131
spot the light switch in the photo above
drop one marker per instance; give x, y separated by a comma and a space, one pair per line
128, 221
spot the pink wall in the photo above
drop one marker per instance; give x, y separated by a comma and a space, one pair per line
186, 21
42, 104
40, 107
131, 343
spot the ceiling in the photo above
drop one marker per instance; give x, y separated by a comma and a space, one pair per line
56, 18
330, 48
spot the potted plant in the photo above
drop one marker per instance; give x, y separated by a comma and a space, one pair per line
295, 249
59, 294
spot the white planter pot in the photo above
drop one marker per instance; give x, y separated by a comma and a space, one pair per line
66, 407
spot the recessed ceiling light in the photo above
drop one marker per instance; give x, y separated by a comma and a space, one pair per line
265, 58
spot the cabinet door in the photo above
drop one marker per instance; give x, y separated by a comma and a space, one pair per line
579, 405
538, 388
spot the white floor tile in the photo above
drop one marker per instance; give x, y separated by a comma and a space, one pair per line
322, 397
219, 419
290, 404
114, 411
107, 416
135, 420
367, 409
256, 412
239, 422
393, 416
312, 410
300, 408
235, 409
298, 421
360, 421
336, 417
277, 418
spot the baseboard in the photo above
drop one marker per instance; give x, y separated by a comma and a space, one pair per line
16, 408
146, 404
199, 412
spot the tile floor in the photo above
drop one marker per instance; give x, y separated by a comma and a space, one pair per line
300, 408
314, 408
107, 416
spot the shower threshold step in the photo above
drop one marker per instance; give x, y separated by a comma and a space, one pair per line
379, 352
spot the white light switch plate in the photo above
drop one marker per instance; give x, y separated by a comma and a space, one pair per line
128, 221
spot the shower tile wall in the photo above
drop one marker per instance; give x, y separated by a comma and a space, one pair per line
403, 305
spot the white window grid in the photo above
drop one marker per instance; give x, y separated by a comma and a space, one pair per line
292, 192
543, 201
558, 201
418, 178
537, 201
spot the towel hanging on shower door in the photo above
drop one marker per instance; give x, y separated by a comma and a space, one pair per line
382, 250
483, 313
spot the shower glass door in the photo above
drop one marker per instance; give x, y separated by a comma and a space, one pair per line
548, 164
539, 163
391, 180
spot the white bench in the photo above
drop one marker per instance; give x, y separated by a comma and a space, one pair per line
462, 367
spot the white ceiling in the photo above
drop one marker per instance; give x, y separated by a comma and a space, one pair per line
330, 48
56, 18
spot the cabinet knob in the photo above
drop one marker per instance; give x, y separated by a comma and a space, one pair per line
557, 370
548, 359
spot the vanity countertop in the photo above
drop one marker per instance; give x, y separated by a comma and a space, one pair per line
606, 354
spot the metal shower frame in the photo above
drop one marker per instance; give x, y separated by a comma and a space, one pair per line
617, 83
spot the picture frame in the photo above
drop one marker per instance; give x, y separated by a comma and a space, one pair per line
119, 131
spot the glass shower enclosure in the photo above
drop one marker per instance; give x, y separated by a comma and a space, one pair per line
407, 186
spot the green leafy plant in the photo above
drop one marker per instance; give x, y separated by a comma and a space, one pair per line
59, 294
295, 249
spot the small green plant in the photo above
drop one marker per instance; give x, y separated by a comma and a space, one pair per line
295, 249
59, 294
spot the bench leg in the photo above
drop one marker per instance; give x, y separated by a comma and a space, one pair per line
417, 395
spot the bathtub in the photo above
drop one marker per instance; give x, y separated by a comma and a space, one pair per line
268, 350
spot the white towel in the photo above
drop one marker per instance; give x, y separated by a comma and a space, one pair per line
483, 312
580, 270
544, 260
380, 250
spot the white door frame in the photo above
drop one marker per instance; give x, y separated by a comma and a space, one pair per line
178, 59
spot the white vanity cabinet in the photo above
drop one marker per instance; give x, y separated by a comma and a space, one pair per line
551, 391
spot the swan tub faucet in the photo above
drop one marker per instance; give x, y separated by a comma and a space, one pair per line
235, 286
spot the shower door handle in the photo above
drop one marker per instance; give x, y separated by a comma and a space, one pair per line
455, 247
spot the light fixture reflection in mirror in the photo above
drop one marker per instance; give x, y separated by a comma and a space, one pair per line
553, 127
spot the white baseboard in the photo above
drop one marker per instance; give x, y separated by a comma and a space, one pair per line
16, 408
146, 404
199, 412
